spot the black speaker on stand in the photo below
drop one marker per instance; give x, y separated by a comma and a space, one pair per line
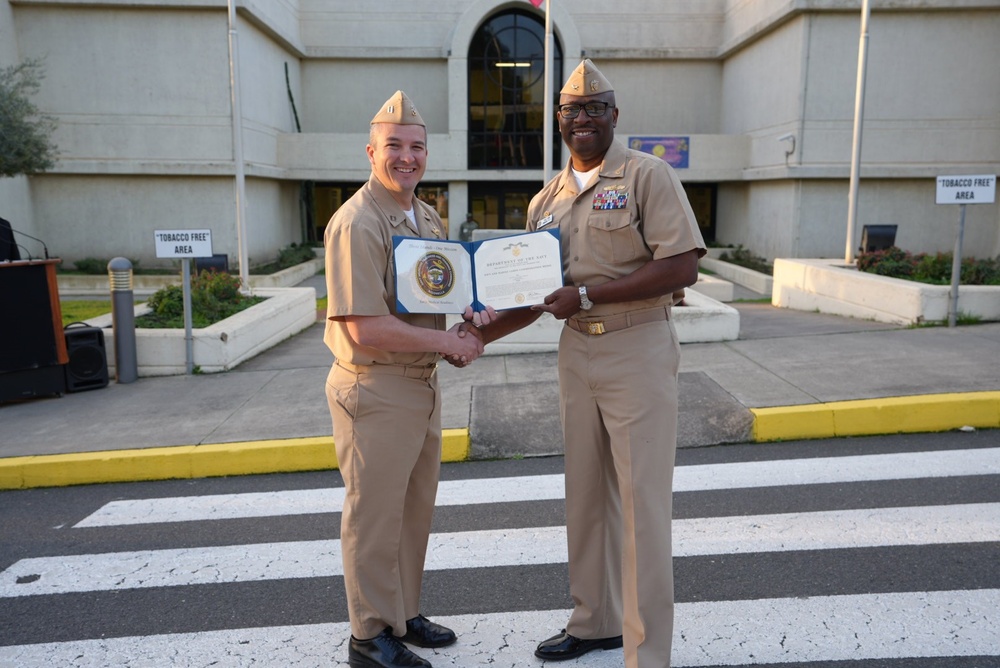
87, 368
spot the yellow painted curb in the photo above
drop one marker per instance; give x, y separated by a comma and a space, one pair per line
893, 415
190, 461
456, 445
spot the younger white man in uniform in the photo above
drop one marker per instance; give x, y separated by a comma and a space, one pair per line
384, 398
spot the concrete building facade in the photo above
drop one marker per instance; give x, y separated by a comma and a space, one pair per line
141, 92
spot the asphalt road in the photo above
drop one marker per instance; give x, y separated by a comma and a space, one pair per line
876, 551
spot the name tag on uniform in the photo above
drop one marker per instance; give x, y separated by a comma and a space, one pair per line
612, 197
547, 220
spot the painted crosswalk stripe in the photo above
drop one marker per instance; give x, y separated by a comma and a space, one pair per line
311, 501
763, 632
811, 471
881, 527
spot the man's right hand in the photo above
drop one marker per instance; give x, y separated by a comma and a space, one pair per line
463, 345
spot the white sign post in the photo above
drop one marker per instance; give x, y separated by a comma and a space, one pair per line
185, 244
974, 189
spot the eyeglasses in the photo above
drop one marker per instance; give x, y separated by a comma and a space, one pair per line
593, 109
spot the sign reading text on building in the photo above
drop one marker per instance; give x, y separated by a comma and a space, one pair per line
183, 243
976, 189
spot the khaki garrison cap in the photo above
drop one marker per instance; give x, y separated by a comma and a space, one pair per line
398, 109
586, 80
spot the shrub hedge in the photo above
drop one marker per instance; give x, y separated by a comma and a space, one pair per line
926, 268
214, 296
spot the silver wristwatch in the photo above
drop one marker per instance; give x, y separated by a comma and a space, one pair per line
585, 302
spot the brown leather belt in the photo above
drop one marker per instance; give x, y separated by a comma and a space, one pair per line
405, 370
617, 322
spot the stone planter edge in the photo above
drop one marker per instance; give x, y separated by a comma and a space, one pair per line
829, 286
224, 345
748, 278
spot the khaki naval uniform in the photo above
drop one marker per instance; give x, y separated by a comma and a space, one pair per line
386, 410
618, 399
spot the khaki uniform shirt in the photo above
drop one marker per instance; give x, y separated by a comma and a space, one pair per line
635, 211
360, 275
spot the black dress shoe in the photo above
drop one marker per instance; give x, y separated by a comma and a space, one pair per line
422, 632
382, 651
563, 646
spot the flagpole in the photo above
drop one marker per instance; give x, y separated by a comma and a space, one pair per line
237, 121
859, 111
547, 108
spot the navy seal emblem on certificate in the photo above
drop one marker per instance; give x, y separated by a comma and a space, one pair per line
445, 276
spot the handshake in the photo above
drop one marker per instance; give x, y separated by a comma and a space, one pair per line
465, 340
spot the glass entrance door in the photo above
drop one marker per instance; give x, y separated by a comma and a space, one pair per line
501, 205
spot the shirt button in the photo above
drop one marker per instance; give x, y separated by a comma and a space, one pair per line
576, 258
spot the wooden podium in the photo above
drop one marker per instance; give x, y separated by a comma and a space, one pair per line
32, 344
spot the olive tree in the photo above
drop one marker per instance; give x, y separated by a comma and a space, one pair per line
25, 132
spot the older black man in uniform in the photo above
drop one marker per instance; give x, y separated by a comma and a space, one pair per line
630, 245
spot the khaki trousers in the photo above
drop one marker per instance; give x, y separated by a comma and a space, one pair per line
619, 413
387, 432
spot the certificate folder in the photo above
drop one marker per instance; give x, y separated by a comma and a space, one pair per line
445, 276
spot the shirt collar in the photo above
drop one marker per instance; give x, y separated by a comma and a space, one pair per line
612, 167
390, 207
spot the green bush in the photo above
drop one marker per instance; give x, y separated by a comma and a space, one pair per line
214, 296
288, 257
293, 255
926, 268
981, 272
744, 258
933, 268
893, 262
91, 265
95, 266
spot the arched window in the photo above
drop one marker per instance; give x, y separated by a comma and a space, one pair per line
506, 92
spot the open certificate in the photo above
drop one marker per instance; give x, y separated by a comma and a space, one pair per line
445, 276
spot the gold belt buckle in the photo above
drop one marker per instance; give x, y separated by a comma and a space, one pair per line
595, 327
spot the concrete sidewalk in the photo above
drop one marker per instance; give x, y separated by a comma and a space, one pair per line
790, 375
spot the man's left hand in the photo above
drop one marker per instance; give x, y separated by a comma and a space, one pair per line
562, 303
479, 318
